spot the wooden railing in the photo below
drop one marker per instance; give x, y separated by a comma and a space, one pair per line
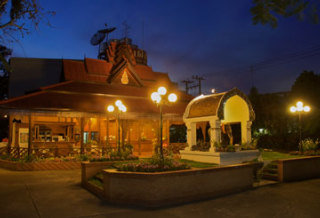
54, 151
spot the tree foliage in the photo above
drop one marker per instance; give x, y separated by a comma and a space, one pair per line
17, 18
268, 11
20, 16
282, 127
4, 73
307, 89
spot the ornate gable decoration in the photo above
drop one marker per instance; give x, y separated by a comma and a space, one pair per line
124, 77
124, 74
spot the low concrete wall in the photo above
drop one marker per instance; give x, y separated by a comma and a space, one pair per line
167, 188
39, 166
299, 168
222, 158
89, 169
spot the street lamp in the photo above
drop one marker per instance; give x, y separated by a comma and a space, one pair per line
118, 109
161, 97
299, 108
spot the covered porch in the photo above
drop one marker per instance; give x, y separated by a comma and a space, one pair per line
61, 134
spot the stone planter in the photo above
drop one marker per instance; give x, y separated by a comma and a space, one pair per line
299, 168
169, 188
222, 158
89, 169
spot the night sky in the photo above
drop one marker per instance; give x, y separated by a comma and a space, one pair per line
215, 39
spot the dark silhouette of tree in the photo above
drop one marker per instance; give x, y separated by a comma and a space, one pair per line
4, 72
307, 89
269, 11
18, 18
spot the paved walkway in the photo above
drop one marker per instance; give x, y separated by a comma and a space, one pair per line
58, 194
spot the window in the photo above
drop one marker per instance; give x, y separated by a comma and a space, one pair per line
95, 136
85, 137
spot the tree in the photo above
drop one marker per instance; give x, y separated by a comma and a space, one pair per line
269, 11
4, 73
307, 89
17, 18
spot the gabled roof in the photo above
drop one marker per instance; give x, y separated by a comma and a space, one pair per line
92, 97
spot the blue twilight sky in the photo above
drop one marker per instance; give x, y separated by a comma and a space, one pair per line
212, 38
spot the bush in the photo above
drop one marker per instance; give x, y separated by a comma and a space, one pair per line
155, 164
309, 144
279, 142
201, 146
230, 148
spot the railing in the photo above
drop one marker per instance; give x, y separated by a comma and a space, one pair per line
54, 151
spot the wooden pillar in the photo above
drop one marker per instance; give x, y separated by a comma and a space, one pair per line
10, 135
30, 135
81, 134
107, 128
99, 129
168, 131
129, 133
139, 138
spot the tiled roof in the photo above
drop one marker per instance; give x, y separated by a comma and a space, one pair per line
92, 97
74, 70
95, 66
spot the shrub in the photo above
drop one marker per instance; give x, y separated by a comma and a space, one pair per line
280, 141
201, 146
309, 144
155, 164
83, 157
230, 148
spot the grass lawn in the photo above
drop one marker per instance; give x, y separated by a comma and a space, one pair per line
194, 164
274, 155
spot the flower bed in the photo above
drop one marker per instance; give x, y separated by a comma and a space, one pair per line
153, 165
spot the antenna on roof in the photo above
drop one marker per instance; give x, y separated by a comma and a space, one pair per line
142, 44
126, 28
99, 36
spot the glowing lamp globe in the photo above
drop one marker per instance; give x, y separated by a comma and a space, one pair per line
118, 103
122, 108
110, 108
293, 109
306, 108
172, 97
162, 90
299, 106
156, 97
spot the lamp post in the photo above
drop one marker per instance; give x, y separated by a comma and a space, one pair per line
161, 97
120, 108
299, 108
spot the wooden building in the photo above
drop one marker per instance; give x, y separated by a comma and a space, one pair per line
61, 104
